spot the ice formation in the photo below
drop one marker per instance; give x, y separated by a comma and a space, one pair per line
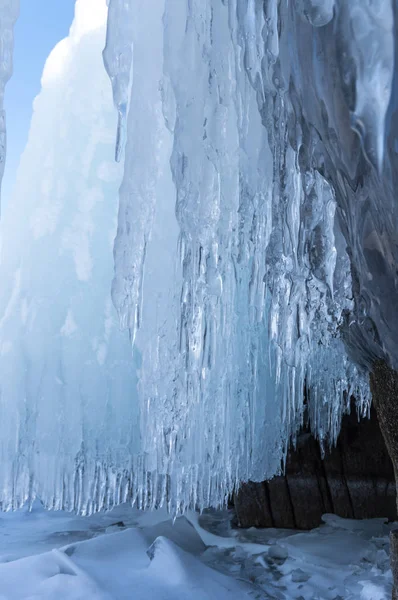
9, 10
255, 255
68, 406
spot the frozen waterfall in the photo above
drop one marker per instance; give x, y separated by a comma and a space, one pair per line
255, 259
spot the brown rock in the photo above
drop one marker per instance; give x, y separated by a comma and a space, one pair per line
354, 480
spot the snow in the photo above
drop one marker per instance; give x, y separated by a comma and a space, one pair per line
127, 554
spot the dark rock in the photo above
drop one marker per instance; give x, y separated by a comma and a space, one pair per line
384, 386
354, 480
394, 561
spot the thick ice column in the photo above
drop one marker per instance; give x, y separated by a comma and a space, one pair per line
70, 417
9, 10
118, 60
135, 50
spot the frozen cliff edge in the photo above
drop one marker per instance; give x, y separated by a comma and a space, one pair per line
255, 255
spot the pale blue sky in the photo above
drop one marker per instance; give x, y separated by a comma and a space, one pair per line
41, 25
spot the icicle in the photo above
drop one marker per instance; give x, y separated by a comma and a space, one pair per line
135, 25
118, 61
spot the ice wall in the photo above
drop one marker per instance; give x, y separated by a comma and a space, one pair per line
265, 281
255, 252
67, 381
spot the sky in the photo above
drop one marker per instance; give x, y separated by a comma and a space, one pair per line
40, 26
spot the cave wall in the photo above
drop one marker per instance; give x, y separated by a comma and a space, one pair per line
354, 480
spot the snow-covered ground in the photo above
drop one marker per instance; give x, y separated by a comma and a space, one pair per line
127, 554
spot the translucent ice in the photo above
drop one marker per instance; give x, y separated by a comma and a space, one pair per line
255, 256
68, 388
118, 60
9, 10
252, 310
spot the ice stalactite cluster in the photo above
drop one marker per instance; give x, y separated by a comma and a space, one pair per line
9, 10
255, 237
263, 287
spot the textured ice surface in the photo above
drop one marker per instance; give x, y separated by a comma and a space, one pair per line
255, 256
118, 60
69, 409
263, 278
9, 10
343, 82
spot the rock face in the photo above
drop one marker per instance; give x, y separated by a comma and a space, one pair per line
354, 480
384, 386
